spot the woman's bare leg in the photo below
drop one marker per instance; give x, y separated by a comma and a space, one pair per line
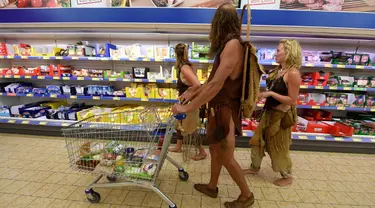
178, 147
201, 154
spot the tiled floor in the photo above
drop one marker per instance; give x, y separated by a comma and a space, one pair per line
34, 172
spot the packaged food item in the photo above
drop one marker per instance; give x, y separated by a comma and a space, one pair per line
163, 93
53, 89
346, 81
104, 50
360, 100
140, 72
149, 168
332, 99
372, 82
333, 81
370, 102
199, 51
267, 55
23, 50
3, 49
134, 91
361, 82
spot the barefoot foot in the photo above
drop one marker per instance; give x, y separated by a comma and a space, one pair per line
250, 171
174, 149
200, 156
283, 182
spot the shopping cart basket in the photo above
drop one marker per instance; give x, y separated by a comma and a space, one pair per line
122, 145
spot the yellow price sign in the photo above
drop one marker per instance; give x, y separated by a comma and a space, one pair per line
66, 78
65, 124
96, 98
17, 76
73, 97
146, 59
116, 98
315, 107
29, 95
116, 59
11, 121
339, 139
56, 78
10, 57
25, 122
359, 67
46, 57
320, 138
59, 57
24, 57
357, 140
80, 78
333, 88
144, 99
152, 80
112, 79
27, 77
304, 87
126, 80
341, 108
372, 109
138, 80
105, 59
319, 87
341, 66
95, 79
328, 65
43, 123
168, 81
203, 61
53, 96
1, 57
348, 88
41, 77
8, 76
302, 137
309, 65
75, 58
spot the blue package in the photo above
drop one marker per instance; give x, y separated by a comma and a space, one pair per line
53, 89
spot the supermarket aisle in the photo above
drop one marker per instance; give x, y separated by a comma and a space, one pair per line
34, 173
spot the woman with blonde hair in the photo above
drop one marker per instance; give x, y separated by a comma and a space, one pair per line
274, 132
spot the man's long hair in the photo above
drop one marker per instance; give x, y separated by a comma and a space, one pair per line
224, 27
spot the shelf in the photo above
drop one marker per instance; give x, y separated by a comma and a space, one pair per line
295, 136
89, 79
167, 81
170, 60
84, 97
156, 100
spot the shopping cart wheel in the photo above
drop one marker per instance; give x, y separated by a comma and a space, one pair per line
174, 206
92, 196
111, 178
184, 176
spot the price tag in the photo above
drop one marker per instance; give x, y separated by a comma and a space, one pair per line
302, 137
328, 65
64, 124
359, 89
105, 59
341, 108
59, 57
80, 78
146, 59
10, 57
53, 96
66, 78
320, 138
372, 109
132, 59
29, 95
309, 65
1, 57
359, 67
144, 99
73, 97
41, 77
357, 140
339, 139
1, 94
373, 140
46, 57
126, 80
17, 76
341, 66
203, 61
112, 79
8, 76
315, 107
27, 77
116, 58
25, 122
43, 123
319, 87
348, 88
56, 78
152, 80
75, 58
333, 88
138, 80
116, 98
96, 98
24, 57
95, 79
304, 86
168, 81
11, 121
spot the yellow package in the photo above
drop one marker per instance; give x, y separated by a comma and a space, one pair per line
199, 74
174, 94
148, 91
55, 105
163, 93
134, 91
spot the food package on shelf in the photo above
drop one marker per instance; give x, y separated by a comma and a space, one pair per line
31, 71
3, 49
345, 99
310, 57
174, 94
104, 50
54, 105
4, 111
315, 78
99, 90
359, 59
148, 91
134, 91
200, 51
340, 58
311, 99
370, 101
267, 55
113, 74
161, 52
362, 82
360, 101
163, 93
24, 90
47, 70
96, 73
132, 51
34, 112
12, 88
80, 72
316, 115
140, 72
23, 50
42, 50
249, 124
345, 81
64, 71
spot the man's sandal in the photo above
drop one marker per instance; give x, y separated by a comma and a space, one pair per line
203, 188
240, 203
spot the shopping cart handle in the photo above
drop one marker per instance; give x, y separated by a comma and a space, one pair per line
180, 116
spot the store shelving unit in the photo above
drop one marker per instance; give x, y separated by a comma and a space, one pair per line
172, 25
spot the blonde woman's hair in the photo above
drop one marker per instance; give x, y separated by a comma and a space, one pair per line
293, 56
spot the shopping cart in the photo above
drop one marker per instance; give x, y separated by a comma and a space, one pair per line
123, 145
